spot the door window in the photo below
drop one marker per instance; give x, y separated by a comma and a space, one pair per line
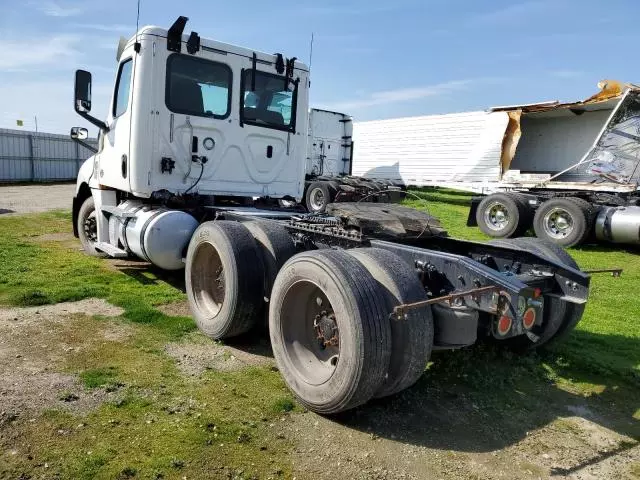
269, 100
199, 87
123, 86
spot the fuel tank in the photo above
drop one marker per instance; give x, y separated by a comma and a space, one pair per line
156, 234
618, 224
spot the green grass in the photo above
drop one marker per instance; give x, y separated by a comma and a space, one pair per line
607, 340
158, 423
98, 377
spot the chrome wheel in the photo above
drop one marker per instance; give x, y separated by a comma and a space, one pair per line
317, 199
90, 227
558, 223
496, 216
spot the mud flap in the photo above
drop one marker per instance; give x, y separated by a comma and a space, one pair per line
454, 327
471, 219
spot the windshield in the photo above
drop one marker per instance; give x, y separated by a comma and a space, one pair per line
616, 156
272, 103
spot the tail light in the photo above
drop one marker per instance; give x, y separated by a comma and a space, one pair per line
504, 325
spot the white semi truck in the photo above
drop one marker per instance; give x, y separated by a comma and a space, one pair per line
569, 170
203, 140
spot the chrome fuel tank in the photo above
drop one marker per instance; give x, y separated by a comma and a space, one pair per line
157, 235
618, 224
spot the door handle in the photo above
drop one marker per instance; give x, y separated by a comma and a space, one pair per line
123, 166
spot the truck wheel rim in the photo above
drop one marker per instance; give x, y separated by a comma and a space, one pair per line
90, 227
317, 199
207, 280
496, 216
310, 332
558, 223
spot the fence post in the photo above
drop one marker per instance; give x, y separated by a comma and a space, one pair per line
31, 158
77, 158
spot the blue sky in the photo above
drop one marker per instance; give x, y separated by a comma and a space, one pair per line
372, 59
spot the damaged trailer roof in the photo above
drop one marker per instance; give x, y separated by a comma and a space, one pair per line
610, 92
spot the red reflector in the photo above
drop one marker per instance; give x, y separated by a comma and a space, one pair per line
504, 325
529, 318
537, 292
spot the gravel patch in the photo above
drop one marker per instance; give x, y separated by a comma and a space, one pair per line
32, 342
195, 357
89, 306
15, 200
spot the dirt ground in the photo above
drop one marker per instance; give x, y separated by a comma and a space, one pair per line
427, 433
36, 198
431, 431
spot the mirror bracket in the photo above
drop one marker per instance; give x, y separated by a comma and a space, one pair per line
74, 136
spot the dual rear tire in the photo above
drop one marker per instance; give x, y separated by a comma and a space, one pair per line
334, 339
504, 215
565, 221
333, 336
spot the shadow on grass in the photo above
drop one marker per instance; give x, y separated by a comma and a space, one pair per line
148, 274
438, 198
484, 399
609, 247
442, 191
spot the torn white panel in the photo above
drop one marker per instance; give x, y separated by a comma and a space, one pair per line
423, 151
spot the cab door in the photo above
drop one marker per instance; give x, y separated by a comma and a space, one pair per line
274, 139
114, 160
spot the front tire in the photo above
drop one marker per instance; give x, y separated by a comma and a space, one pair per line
86, 224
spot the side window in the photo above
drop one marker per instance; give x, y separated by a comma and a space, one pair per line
198, 87
123, 86
271, 103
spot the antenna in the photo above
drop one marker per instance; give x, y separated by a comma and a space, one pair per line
138, 18
136, 46
311, 52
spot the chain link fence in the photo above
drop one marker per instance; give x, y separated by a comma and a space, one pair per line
40, 157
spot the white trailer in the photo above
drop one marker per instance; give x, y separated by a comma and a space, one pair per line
203, 141
329, 175
570, 170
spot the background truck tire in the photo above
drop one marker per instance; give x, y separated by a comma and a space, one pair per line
276, 247
559, 317
504, 215
565, 221
411, 337
224, 279
318, 196
87, 228
332, 343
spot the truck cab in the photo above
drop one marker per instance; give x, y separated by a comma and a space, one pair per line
195, 115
